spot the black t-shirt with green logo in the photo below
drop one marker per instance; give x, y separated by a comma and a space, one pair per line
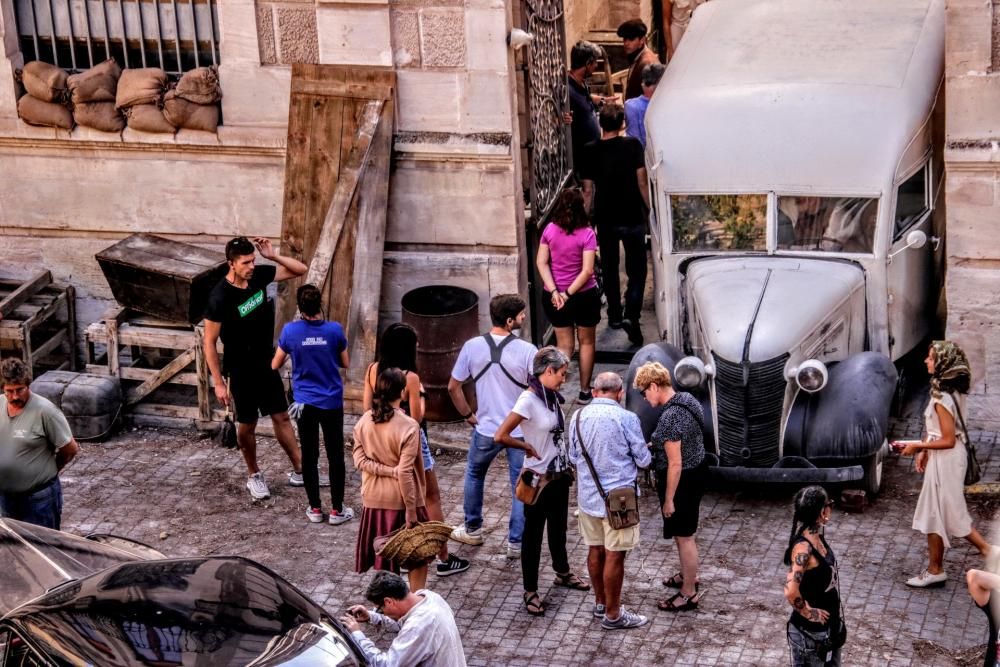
247, 319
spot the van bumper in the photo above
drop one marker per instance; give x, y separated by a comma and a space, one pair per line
791, 469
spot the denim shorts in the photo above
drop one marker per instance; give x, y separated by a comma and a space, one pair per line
425, 451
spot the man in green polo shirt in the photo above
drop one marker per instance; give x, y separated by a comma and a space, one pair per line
35, 444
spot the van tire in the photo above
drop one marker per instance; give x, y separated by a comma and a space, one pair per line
874, 467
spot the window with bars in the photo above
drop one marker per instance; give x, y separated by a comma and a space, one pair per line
174, 35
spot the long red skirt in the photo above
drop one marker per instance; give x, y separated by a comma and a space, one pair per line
376, 523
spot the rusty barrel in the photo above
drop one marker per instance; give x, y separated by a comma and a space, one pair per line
444, 317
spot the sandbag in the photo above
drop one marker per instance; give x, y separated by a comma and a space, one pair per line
100, 116
97, 84
44, 82
46, 114
140, 86
190, 116
200, 86
148, 118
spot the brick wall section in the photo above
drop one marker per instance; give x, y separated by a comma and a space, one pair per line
972, 195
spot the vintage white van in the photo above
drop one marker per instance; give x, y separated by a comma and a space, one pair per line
794, 176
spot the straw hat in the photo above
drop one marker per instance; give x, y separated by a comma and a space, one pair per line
413, 545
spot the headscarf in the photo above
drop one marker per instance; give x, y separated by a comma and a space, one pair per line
951, 369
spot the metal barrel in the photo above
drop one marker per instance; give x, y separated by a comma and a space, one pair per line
444, 317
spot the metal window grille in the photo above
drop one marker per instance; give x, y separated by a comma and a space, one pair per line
174, 35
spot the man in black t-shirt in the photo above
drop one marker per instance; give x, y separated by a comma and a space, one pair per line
583, 105
616, 189
240, 313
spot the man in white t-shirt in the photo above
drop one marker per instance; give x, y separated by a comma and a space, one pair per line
499, 363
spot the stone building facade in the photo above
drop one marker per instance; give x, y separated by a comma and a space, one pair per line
456, 212
972, 196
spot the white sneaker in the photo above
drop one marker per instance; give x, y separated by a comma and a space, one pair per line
257, 486
927, 580
314, 514
337, 518
465, 536
295, 479
514, 551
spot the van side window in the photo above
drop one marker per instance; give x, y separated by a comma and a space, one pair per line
911, 202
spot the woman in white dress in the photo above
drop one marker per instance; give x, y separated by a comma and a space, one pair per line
941, 511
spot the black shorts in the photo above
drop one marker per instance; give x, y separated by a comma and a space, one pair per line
257, 393
687, 501
583, 309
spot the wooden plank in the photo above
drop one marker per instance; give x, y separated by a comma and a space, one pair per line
71, 325
345, 81
143, 336
350, 175
366, 282
205, 392
57, 339
176, 365
23, 293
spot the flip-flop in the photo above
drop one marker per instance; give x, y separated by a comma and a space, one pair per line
677, 580
533, 604
687, 603
570, 580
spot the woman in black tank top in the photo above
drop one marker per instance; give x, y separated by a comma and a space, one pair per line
816, 630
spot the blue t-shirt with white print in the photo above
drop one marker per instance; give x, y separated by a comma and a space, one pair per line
315, 347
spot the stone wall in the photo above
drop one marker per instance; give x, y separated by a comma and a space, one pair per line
455, 213
972, 196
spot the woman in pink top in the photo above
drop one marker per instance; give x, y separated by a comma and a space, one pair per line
565, 262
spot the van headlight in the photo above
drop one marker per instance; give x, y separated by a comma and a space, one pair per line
810, 375
690, 372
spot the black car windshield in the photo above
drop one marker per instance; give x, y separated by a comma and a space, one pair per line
212, 611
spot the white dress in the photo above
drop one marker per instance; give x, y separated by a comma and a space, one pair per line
941, 507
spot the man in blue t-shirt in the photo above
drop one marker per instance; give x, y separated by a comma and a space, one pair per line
318, 350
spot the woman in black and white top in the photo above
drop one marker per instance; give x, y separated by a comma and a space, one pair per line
681, 475
539, 413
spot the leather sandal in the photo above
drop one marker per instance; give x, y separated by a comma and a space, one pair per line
680, 602
570, 580
677, 580
533, 604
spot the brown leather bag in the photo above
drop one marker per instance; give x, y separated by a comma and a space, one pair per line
622, 504
529, 486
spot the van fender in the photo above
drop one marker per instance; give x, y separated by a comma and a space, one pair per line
668, 355
847, 419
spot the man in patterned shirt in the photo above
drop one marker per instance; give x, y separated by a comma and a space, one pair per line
614, 442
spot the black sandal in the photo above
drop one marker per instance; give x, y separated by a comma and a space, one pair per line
533, 604
677, 581
686, 603
570, 580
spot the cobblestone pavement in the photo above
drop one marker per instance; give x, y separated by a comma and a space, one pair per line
186, 497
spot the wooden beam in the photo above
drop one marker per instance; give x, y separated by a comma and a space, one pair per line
347, 185
23, 293
178, 364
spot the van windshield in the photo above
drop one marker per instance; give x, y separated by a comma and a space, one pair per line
827, 224
719, 222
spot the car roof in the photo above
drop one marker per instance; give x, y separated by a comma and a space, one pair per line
222, 610
802, 95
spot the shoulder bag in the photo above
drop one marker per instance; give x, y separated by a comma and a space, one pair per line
973, 471
621, 504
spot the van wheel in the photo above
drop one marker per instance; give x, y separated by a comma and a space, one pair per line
874, 467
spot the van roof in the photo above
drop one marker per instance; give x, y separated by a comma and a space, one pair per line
796, 95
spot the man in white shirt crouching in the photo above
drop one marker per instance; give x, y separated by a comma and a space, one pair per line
427, 635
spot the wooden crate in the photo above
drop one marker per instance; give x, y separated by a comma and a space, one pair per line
162, 368
38, 323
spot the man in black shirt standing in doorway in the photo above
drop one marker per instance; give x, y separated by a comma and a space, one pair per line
240, 313
616, 189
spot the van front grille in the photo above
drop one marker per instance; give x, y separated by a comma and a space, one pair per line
749, 400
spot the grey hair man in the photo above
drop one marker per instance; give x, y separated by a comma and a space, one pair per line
583, 105
635, 108
427, 634
35, 444
613, 439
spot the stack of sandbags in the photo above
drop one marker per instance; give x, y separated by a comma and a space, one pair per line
194, 103
45, 103
93, 95
140, 98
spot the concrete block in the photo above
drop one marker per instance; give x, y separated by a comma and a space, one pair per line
255, 95
238, 22
968, 37
486, 102
970, 188
265, 35
973, 232
442, 37
970, 112
297, 35
486, 39
428, 101
354, 35
405, 38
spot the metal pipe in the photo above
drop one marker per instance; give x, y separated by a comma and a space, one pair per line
211, 31
142, 33
159, 33
72, 36
52, 33
34, 30
194, 24
177, 35
121, 15
86, 19
107, 32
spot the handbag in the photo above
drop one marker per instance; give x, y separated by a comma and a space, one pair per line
973, 471
529, 486
621, 504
